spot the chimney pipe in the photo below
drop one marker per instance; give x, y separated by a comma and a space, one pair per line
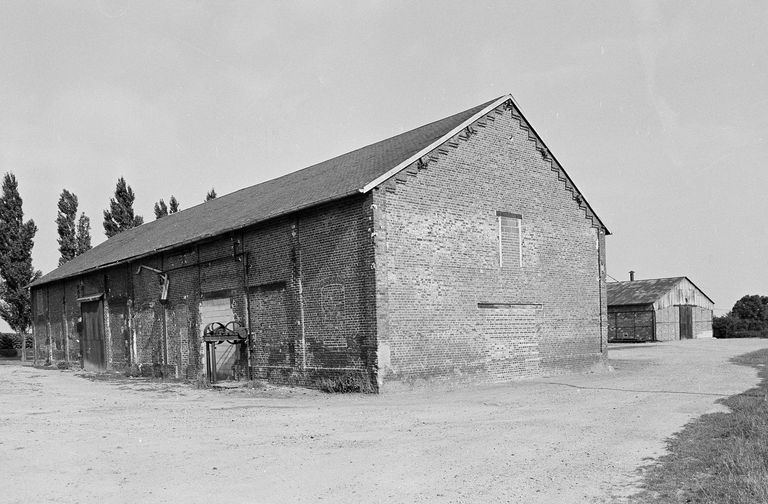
631, 276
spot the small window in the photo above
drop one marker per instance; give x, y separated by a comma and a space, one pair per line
510, 239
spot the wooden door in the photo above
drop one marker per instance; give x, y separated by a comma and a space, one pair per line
92, 338
686, 322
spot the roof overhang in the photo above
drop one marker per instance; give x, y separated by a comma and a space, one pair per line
187, 243
434, 145
437, 143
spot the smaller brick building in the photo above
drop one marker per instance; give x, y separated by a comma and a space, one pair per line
658, 309
457, 250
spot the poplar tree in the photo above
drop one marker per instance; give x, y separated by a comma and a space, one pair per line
161, 209
16, 272
120, 217
65, 225
83, 234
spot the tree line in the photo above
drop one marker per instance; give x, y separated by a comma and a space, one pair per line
747, 319
17, 240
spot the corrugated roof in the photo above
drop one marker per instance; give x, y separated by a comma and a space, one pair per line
639, 292
327, 181
352, 173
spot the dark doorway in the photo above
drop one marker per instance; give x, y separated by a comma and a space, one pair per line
626, 326
92, 338
686, 322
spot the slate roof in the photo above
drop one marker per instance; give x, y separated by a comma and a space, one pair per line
640, 292
352, 173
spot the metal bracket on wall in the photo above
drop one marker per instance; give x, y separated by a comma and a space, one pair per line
165, 281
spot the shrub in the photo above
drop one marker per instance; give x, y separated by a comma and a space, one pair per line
132, 371
13, 340
721, 326
731, 326
8, 341
346, 383
201, 381
294, 379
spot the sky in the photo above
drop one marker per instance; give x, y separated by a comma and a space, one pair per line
657, 110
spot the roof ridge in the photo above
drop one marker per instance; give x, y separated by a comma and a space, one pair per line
482, 110
300, 170
634, 292
338, 177
649, 279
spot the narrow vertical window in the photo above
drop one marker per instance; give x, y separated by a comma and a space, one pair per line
510, 239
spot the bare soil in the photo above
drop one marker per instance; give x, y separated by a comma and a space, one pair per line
69, 437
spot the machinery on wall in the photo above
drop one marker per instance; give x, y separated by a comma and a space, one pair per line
215, 333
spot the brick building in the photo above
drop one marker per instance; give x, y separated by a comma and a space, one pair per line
658, 309
458, 250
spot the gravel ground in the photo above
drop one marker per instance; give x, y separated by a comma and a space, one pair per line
579, 438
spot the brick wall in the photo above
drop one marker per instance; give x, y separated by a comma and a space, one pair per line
311, 294
40, 321
306, 281
182, 321
337, 281
147, 312
56, 321
273, 298
446, 308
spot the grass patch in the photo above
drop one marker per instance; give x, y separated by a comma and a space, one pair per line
201, 381
346, 383
255, 385
719, 458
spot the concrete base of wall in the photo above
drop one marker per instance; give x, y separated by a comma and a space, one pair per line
392, 383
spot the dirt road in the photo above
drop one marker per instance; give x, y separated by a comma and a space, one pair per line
563, 439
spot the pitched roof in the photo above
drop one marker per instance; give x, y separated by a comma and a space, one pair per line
637, 292
352, 173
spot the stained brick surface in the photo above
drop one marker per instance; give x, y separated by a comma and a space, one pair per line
309, 287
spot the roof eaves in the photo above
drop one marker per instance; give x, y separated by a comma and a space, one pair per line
186, 243
697, 288
382, 178
500, 100
607, 231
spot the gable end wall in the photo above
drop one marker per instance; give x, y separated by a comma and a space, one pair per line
446, 309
